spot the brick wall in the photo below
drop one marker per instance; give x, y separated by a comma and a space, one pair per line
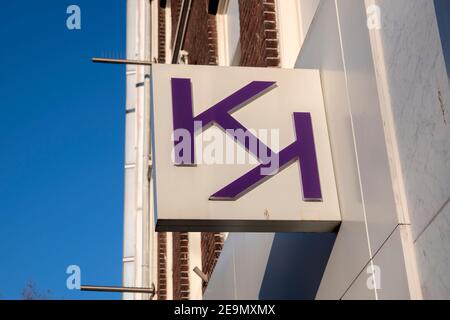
211, 245
259, 37
162, 266
180, 266
161, 35
201, 35
212, 40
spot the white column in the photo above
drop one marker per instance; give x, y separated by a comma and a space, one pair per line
138, 238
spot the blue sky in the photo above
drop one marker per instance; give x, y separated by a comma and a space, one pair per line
61, 146
443, 17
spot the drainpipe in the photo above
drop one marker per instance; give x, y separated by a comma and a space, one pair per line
181, 30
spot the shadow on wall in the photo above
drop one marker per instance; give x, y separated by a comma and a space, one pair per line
296, 265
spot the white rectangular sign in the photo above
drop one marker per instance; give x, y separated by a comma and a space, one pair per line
241, 149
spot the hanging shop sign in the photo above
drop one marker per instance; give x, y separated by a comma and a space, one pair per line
240, 149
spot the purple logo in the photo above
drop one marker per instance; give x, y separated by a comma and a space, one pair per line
302, 149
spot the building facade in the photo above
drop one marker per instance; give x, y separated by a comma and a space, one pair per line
386, 93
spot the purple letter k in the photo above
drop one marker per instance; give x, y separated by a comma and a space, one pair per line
302, 149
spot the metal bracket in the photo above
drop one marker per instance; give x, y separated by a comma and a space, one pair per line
122, 61
151, 290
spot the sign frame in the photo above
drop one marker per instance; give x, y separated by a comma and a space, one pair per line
177, 205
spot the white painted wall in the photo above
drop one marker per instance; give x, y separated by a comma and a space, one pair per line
387, 98
138, 263
240, 270
293, 21
323, 49
372, 210
412, 74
